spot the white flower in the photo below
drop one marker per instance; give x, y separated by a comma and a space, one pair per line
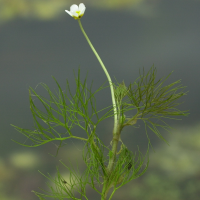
76, 11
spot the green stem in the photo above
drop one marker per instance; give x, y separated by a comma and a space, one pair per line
116, 129
107, 74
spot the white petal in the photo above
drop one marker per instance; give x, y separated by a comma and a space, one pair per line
82, 8
68, 12
82, 12
73, 8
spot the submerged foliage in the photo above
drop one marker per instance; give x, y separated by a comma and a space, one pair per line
149, 98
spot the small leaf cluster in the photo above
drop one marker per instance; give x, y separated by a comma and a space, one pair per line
153, 100
152, 97
128, 166
65, 110
62, 188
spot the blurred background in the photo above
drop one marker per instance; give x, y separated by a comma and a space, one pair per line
39, 40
